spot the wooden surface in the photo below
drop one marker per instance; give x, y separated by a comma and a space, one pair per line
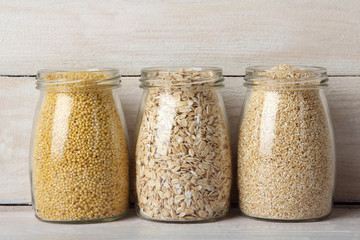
20, 223
130, 35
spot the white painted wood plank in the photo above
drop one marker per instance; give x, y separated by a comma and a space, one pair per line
21, 224
18, 98
133, 34
344, 104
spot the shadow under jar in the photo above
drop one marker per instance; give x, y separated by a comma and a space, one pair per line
183, 157
286, 155
79, 156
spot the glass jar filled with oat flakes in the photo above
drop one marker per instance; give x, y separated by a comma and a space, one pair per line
286, 156
183, 159
79, 157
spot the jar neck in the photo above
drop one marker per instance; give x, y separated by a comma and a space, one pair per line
71, 80
177, 77
286, 77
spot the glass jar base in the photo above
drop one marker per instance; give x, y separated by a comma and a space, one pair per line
315, 219
85, 221
181, 221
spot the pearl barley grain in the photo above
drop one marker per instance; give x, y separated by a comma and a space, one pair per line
80, 156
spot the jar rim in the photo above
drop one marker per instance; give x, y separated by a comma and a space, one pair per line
264, 68
150, 76
261, 76
177, 68
113, 80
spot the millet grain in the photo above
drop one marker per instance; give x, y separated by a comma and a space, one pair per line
80, 155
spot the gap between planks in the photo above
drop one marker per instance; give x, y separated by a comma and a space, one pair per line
336, 204
229, 76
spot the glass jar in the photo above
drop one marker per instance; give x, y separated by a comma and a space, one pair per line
183, 158
286, 154
79, 156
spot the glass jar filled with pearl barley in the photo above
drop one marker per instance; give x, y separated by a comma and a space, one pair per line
79, 156
183, 159
286, 155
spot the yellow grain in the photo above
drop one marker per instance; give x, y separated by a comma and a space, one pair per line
80, 156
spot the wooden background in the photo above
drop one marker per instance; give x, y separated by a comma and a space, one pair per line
130, 35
